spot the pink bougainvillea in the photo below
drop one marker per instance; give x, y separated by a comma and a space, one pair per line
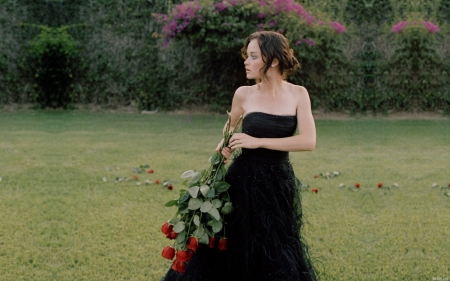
432, 28
339, 28
398, 28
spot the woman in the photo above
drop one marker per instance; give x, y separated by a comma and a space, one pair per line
263, 231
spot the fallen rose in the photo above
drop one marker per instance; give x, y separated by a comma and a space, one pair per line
170, 187
316, 176
315, 190
150, 171
157, 181
380, 185
223, 244
135, 177
357, 185
168, 253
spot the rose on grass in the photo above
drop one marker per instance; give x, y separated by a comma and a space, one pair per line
157, 181
170, 187
380, 185
135, 178
357, 185
315, 190
150, 171
201, 208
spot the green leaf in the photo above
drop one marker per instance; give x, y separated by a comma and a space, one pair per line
206, 206
204, 189
200, 231
187, 174
211, 193
217, 226
227, 208
184, 197
204, 239
221, 186
195, 178
214, 213
181, 236
193, 191
217, 203
196, 220
171, 203
174, 221
213, 158
219, 175
195, 203
179, 227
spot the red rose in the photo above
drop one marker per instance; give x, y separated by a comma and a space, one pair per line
357, 185
168, 253
179, 266
135, 177
189, 256
380, 185
192, 244
166, 228
150, 171
182, 256
315, 190
170, 187
316, 176
223, 244
156, 181
449, 184
212, 242
172, 235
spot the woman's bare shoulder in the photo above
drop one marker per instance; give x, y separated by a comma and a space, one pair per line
244, 91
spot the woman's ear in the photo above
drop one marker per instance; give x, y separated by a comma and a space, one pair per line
275, 62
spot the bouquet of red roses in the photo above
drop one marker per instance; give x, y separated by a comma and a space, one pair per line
200, 209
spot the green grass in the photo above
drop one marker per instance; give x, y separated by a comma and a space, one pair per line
59, 220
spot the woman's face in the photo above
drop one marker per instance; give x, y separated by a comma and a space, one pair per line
254, 62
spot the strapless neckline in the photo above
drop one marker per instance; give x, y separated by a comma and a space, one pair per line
269, 114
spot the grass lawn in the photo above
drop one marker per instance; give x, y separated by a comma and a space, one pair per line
59, 219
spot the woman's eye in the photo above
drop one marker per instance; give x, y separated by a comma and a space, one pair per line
253, 57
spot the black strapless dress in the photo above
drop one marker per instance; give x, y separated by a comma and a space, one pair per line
263, 231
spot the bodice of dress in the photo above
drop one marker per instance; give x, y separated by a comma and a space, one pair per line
265, 125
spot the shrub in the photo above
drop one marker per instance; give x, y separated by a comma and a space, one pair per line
416, 73
217, 30
52, 55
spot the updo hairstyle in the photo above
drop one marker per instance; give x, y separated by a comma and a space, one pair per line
273, 45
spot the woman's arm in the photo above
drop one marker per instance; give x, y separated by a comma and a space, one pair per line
304, 141
235, 113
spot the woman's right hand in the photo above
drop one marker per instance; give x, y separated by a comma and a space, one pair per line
226, 151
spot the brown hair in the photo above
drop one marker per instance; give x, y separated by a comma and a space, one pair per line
273, 45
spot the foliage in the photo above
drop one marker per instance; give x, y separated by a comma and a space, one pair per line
52, 55
217, 30
416, 73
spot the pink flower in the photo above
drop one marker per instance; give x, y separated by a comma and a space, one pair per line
339, 28
398, 28
220, 7
261, 16
432, 28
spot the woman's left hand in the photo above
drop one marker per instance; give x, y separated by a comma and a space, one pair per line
240, 140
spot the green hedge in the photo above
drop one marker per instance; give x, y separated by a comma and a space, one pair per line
120, 52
